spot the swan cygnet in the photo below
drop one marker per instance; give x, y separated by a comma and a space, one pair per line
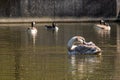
78, 45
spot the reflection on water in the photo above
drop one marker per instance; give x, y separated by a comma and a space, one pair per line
47, 59
103, 35
54, 32
102, 32
32, 38
118, 38
83, 66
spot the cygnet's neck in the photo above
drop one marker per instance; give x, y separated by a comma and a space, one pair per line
70, 43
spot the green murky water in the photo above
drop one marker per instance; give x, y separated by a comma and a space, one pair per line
46, 58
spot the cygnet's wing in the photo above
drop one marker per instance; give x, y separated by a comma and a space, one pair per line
87, 49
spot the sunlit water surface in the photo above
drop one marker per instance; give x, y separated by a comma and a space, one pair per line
46, 56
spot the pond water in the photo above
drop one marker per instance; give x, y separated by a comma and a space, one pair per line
46, 56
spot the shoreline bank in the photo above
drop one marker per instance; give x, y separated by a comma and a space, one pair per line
49, 20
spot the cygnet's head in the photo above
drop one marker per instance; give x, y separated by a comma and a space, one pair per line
79, 40
75, 41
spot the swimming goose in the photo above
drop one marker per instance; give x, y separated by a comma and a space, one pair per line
78, 45
52, 27
103, 25
32, 30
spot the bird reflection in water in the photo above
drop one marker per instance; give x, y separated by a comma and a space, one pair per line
103, 36
32, 38
102, 32
82, 66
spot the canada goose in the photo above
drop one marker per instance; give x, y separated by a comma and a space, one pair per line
32, 30
103, 25
52, 27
